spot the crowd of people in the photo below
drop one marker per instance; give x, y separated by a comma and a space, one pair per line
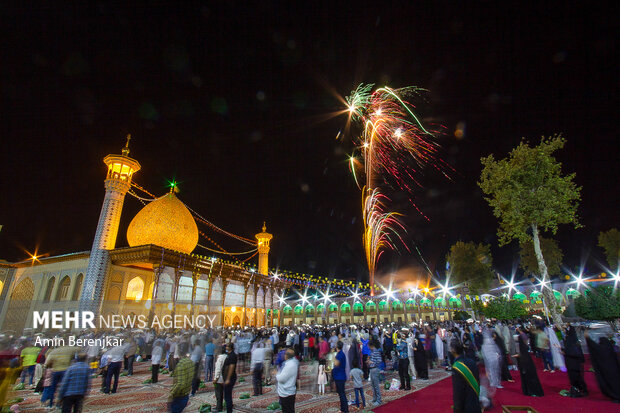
337, 355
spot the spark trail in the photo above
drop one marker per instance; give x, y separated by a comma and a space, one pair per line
395, 146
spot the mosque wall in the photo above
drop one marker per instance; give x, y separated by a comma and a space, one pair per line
127, 290
53, 286
6, 281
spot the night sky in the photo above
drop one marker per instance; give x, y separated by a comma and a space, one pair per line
236, 103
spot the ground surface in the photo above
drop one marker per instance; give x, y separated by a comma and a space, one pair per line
434, 395
134, 396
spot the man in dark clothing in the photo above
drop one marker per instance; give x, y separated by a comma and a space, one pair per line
465, 381
229, 372
339, 375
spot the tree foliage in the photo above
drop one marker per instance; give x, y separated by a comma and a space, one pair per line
501, 309
471, 263
610, 242
461, 315
550, 250
529, 194
528, 188
600, 303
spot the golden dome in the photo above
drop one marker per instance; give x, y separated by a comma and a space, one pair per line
165, 222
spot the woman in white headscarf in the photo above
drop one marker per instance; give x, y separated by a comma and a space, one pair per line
491, 356
556, 349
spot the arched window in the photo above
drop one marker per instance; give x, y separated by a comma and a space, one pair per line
310, 309
63, 288
370, 306
78, 287
456, 302
135, 289
397, 305
287, 310
320, 308
383, 305
298, 309
345, 308
333, 307
410, 304
358, 308
50, 287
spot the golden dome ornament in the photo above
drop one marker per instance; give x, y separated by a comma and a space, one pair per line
165, 222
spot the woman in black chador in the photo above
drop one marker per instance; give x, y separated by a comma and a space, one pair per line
506, 376
419, 358
573, 356
606, 366
530, 385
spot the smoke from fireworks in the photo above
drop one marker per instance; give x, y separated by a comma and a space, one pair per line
394, 146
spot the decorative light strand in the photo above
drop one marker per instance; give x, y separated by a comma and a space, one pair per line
213, 242
230, 234
228, 253
142, 189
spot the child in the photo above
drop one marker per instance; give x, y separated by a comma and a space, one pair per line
322, 378
103, 370
357, 376
306, 347
329, 366
38, 378
47, 388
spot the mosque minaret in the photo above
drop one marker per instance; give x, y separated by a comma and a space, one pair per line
118, 181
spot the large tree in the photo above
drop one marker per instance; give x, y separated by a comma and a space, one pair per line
550, 250
529, 194
610, 242
472, 264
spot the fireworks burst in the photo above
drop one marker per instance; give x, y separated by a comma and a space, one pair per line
380, 228
394, 147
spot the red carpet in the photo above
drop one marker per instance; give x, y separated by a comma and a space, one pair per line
438, 397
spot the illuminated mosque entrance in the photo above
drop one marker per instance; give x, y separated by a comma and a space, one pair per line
253, 317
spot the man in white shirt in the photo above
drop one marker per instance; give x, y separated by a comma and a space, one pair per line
275, 339
116, 355
287, 382
156, 355
333, 340
256, 363
218, 380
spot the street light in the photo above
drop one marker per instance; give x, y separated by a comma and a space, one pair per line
579, 281
304, 298
445, 289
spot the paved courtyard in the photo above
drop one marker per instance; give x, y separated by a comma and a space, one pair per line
135, 396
